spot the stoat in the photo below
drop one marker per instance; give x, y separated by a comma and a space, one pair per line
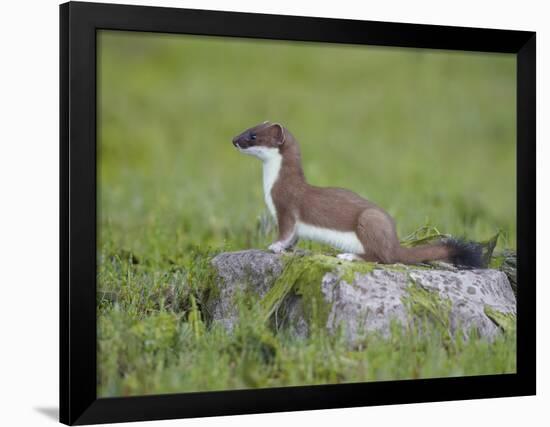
334, 216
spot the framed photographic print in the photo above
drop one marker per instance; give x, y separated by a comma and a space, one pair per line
274, 213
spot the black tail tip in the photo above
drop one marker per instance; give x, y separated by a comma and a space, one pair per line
465, 253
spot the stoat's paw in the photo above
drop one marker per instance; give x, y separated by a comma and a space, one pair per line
277, 247
348, 257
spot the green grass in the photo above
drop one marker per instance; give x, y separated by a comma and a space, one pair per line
160, 352
429, 136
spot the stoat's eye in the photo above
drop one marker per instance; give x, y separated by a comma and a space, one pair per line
252, 136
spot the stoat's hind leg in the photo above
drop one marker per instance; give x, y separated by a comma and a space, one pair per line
349, 257
376, 231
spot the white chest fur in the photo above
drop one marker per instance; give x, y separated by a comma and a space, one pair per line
272, 160
272, 166
344, 240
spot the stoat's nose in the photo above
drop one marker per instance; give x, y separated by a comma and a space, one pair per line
241, 141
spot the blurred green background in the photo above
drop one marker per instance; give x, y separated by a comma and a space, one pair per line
428, 135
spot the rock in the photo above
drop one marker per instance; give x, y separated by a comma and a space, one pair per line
506, 262
238, 272
300, 292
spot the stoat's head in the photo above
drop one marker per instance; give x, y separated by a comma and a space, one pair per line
263, 141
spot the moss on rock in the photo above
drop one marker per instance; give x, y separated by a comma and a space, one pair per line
303, 275
505, 321
425, 304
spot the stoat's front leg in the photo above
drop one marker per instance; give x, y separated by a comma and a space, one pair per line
287, 233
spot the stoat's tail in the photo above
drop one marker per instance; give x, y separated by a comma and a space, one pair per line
457, 252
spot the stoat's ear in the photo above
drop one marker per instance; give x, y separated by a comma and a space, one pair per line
278, 133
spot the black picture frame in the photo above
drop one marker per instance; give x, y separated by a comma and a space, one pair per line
79, 23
